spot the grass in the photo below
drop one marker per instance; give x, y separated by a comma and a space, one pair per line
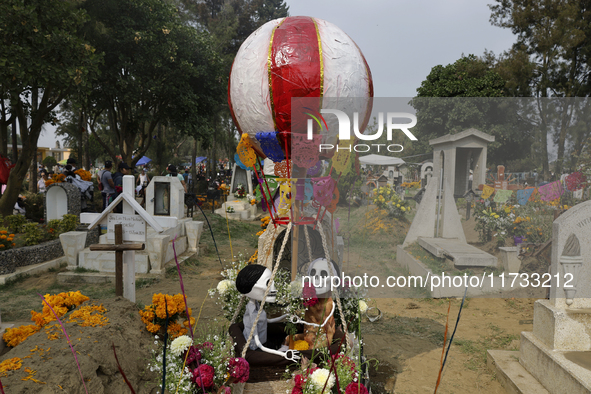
495, 339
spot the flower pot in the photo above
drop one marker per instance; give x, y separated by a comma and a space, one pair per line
517, 239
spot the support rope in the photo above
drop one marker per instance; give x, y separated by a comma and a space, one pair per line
256, 320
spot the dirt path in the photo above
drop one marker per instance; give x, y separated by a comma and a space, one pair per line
407, 340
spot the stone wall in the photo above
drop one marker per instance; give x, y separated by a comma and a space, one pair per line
29, 255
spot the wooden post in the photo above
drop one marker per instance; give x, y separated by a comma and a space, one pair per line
119, 248
119, 261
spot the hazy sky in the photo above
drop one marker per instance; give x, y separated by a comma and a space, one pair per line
403, 39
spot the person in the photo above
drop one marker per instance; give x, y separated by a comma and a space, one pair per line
71, 162
41, 182
122, 170
106, 179
143, 179
173, 172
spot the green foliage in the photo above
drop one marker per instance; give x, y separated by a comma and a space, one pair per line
68, 223
15, 223
49, 161
33, 233
34, 206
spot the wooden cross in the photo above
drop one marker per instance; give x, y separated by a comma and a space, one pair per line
118, 248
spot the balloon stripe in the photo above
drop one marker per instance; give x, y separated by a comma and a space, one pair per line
321, 60
270, 72
295, 69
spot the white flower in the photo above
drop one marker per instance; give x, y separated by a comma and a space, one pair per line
181, 344
362, 306
319, 378
224, 286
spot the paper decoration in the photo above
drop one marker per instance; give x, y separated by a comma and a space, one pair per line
283, 169
270, 146
487, 191
502, 196
575, 180
523, 195
578, 194
341, 161
551, 191
245, 151
323, 190
305, 152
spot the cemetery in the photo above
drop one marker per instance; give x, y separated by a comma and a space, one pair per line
284, 259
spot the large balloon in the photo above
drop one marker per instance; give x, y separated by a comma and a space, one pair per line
294, 57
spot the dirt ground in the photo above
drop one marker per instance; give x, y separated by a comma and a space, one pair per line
407, 341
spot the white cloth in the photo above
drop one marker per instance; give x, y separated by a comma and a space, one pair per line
41, 185
252, 309
80, 184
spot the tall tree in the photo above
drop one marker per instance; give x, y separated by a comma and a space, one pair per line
156, 70
443, 107
554, 36
42, 60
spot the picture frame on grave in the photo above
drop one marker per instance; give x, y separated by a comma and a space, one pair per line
161, 198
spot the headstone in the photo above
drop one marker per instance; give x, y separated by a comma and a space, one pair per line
61, 199
243, 177
165, 196
558, 351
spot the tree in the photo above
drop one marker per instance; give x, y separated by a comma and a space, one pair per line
49, 162
42, 60
554, 41
443, 107
156, 70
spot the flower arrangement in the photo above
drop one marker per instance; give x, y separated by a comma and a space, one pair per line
265, 222
55, 178
230, 209
226, 294
411, 185
61, 303
387, 199
254, 258
317, 379
6, 240
84, 175
11, 364
253, 201
154, 315
208, 365
240, 191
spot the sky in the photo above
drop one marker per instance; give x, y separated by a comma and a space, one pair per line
402, 39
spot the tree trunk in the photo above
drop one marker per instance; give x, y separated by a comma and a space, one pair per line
14, 141
86, 143
3, 138
193, 167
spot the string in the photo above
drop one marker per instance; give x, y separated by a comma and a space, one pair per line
443, 348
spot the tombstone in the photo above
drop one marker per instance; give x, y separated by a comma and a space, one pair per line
165, 196
61, 199
133, 229
240, 176
456, 154
501, 183
558, 351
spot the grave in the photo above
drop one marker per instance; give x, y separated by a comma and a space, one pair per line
556, 356
457, 154
61, 199
165, 196
242, 208
159, 237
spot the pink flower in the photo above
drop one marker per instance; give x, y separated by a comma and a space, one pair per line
297, 390
225, 390
309, 295
299, 381
194, 356
239, 369
203, 374
356, 388
207, 345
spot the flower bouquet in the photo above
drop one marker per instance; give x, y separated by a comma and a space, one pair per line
339, 374
388, 199
154, 315
230, 209
240, 191
207, 366
226, 294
